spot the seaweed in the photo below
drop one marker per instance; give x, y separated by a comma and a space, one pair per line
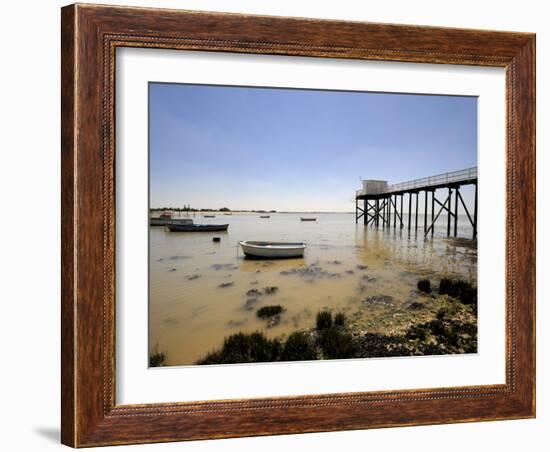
457, 288
424, 285
266, 312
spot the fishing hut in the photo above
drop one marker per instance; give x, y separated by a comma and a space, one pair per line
381, 204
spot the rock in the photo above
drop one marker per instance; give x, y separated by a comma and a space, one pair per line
225, 267
273, 321
194, 276
172, 270
380, 300
415, 305
361, 267
236, 323
173, 258
249, 303
226, 284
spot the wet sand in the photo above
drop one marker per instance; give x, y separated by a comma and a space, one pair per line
202, 291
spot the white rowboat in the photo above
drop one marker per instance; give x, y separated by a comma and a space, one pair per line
273, 250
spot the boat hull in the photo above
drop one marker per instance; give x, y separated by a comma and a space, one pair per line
158, 222
272, 250
165, 221
197, 227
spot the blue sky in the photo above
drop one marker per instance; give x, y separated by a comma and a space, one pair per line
297, 150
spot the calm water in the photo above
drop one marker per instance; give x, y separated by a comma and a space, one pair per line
190, 313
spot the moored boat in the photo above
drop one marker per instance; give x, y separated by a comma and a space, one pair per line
308, 219
265, 216
164, 218
272, 250
209, 216
186, 227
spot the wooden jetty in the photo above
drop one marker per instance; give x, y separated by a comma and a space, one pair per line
382, 201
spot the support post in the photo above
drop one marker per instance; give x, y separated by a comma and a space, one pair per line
449, 211
456, 211
410, 199
394, 211
401, 212
416, 214
433, 209
426, 212
365, 212
377, 211
356, 201
475, 212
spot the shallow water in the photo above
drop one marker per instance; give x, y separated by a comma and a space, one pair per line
198, 288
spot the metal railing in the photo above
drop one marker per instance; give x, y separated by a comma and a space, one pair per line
464, 175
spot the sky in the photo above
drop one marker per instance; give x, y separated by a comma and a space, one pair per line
297, 150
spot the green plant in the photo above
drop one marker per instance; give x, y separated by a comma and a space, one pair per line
323, 320
244, 348
337, 344
157, 359
460, 289
340, 319
424, 285
299, 347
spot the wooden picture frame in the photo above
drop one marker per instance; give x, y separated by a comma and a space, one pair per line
90, 36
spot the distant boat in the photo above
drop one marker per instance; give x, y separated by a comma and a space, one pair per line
265, 216
273, 250
228, 213
209, 216
185, 227
308, 219
164, 218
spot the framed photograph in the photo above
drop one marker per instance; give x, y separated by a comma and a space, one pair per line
281, 225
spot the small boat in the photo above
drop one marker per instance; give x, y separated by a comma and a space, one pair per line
186, 227
164, 218
307, 219
273, 250
265, 216
228, 213
209, 216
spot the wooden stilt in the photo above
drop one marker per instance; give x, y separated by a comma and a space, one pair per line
433, 208
426, 211
449, 211
394, 210
401, 212
475, 212
410, 199
456, 211
416, 214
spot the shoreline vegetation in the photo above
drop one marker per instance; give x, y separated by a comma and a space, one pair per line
439, 322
